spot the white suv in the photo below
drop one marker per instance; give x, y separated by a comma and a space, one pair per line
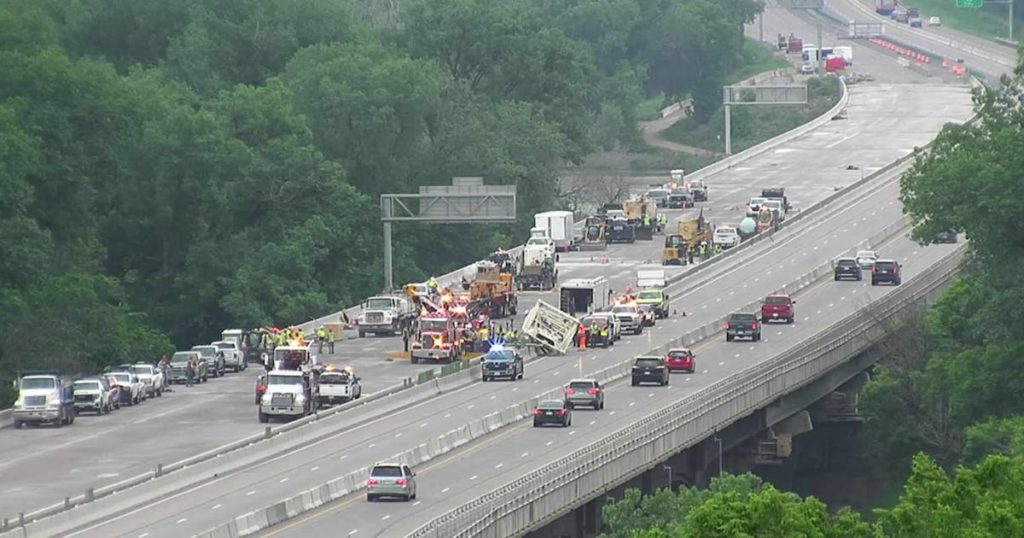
726, 237
234, 357
391, 480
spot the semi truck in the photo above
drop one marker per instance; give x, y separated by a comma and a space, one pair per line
44, 397
289, 394
559, 227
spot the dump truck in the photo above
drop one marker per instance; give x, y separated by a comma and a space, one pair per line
386, 314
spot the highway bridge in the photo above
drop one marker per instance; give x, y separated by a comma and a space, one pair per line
245, 482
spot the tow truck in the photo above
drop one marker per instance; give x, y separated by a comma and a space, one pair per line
438, 338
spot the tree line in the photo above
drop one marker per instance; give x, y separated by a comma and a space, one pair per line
173, 167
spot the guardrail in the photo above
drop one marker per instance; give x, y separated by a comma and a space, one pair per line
544, 494
353, 482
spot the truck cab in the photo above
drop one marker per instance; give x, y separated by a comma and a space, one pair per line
385, 314
438, 339
290, 394
44, 397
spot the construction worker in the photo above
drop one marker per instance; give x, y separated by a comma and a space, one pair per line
581, 337
432, 284
190, 371
406, 333
690, 253
323, 338
703, 250
647, 221
165, 370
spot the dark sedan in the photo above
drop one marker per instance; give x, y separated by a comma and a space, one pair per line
552, 412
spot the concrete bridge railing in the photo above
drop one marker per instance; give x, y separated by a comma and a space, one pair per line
547, 493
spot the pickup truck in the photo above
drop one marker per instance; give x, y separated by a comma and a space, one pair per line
778, 308
234, 356
742, 325
339, 386
502, 363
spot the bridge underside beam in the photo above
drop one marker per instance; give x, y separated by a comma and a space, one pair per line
807, 395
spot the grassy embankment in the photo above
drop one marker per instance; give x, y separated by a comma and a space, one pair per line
752, 125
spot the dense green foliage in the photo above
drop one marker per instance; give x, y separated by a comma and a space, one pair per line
981, 501
951, 386
173, 167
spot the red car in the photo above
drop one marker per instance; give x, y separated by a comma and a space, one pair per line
681, 360
778, 308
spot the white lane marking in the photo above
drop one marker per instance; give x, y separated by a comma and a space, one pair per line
182, 520
525, 454
473, 477
806, 318
353, 531
736, 356
572, 432
780, 332
752, 348
424, 425
843, 298
819, 311
397, 435
515, 389
549, 443
493, 396
445, 490
499, 466
687, 379
723, 363
253, 492
385, 518
449, 415
372, 445
283, 480
314, 468
343, 456
144, 535
416, 503
703, 371
471, 406
631, 404
651, 395
611, 413
718, 299
592, 422
536, 381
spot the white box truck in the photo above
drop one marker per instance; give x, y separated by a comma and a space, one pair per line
559, 226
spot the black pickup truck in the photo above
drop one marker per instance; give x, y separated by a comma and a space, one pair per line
742, 325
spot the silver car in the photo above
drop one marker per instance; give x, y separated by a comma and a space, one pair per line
391, 480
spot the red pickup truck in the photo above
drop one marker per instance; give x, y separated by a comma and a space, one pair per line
778, 308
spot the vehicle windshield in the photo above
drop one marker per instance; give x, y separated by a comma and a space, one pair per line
181, 357
225, 345
38, 383
650, 295
866, 254
678, 353
387, 471
581, 385
122, 378
433, 325
657, 193
537, 241
498, 356
550, 404
285, 380
648, 362
885, 265
624, 310
776, 300
206, 351
292, 355
140, 369
380, 303
87, 385
743, 317
334, 379
845, 263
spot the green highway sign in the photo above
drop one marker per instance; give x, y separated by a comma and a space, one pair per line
969, 3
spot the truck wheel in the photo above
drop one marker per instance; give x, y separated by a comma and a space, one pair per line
264, 418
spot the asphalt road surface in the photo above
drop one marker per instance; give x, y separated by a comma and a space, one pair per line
764, 268
883, 122
470, 472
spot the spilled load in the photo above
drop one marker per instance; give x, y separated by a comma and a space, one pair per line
550, 328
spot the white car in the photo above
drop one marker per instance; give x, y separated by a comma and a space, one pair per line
630, 318
726, 237
808, 69
132, 391
777, 207
152, 379
866, 258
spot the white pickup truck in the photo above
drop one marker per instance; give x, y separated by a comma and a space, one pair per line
234, 356
339, 386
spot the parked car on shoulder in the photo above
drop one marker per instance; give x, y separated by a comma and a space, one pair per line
116, 392
132, 391
179, 367
93, 394
216, 363
234, 356
650, 369
152, 379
